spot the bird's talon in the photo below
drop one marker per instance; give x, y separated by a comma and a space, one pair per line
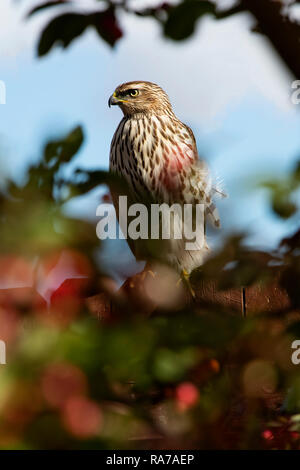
148, 271
186, 277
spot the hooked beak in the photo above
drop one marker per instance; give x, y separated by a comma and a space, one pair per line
113, 100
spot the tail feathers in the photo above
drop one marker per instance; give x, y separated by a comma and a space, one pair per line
210, 188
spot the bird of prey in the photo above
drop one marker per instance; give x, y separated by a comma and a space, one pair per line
156, 154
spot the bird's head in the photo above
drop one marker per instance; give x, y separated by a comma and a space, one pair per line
140, 97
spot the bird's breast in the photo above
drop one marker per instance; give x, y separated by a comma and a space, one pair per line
154, 151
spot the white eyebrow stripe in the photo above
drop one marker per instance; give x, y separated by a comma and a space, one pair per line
132, 87
135, 85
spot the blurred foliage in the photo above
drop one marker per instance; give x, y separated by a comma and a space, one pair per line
284, 193
190, 375
32, 219
187, 376
65, 28
178, 21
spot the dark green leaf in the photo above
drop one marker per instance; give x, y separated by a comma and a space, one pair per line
65, 28
282, 206
49, 4
183, 17
71, 144
296, 173
64, 149
62, 29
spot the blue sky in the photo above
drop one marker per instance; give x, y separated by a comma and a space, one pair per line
225, 83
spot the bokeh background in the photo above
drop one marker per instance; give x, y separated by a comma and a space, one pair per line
92, 366
226, 82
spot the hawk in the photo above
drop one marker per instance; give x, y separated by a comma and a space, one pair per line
156, 155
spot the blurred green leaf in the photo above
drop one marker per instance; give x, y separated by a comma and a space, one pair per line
183, 17
283, 193
43, 6
292, 401
171, 366
64, 149
63, 29
282, 205
296, 173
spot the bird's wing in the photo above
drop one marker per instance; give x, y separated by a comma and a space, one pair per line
187, 178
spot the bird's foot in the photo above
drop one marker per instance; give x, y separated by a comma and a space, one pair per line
140, 277
185, 277
146, 272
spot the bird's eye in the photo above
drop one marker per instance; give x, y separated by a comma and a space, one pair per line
134, 93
